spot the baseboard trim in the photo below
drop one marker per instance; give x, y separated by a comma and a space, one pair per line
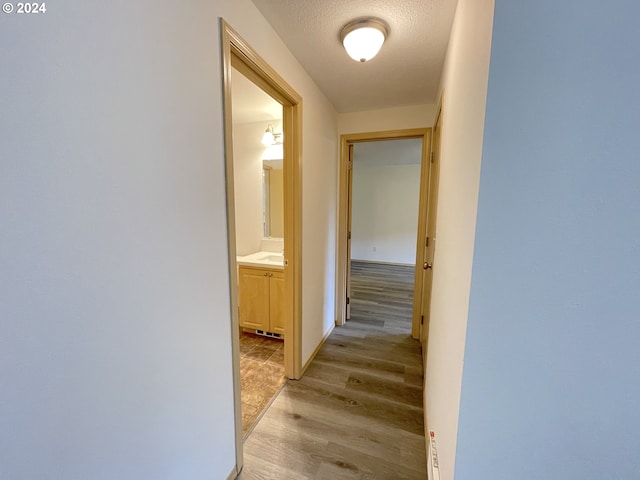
384, 263
315, 352
234, 474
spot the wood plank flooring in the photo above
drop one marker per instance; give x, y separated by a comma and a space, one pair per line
357, 412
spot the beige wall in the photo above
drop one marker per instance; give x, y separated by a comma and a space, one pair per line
464, 83
319, 221
414, 116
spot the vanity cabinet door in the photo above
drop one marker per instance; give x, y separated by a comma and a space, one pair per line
276, 302
253, 301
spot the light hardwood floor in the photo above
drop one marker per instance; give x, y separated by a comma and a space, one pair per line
357, 412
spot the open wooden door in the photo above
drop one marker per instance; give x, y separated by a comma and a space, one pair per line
430, 244
349, 210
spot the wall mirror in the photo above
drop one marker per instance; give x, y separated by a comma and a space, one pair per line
272, 198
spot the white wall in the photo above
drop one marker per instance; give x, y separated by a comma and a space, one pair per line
551, 379
248, 152
385, 212
319, 222
115, 351
464, 83
413, 116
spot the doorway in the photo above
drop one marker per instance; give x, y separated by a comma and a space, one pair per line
238, 55
345, 218
259, 219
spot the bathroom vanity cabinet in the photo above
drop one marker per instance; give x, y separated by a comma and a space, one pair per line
261, 298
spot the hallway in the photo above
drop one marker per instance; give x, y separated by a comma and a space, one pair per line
357, 412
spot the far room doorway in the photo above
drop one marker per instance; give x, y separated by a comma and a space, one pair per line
239, 56
381, 221
385, 193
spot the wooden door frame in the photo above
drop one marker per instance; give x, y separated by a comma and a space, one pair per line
237, 52
341, 267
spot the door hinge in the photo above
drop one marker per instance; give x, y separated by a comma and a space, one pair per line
432, 156
348, 235
348, 300
421, 319
427, 243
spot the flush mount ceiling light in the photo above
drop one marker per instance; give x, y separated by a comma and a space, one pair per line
270, 137
363, 38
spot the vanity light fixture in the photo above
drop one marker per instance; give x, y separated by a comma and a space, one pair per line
270, 137
363, 38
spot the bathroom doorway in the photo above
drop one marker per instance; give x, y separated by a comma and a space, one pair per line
266, 287
259, 220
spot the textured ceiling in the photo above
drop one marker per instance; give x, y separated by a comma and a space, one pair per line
405, 72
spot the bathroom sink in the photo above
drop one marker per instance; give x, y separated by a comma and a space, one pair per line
270, 259
274, 258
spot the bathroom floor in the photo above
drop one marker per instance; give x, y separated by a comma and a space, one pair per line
261, 373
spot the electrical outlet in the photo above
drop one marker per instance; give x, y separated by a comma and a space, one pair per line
373, 248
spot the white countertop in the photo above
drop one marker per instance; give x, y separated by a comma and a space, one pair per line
262, 259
